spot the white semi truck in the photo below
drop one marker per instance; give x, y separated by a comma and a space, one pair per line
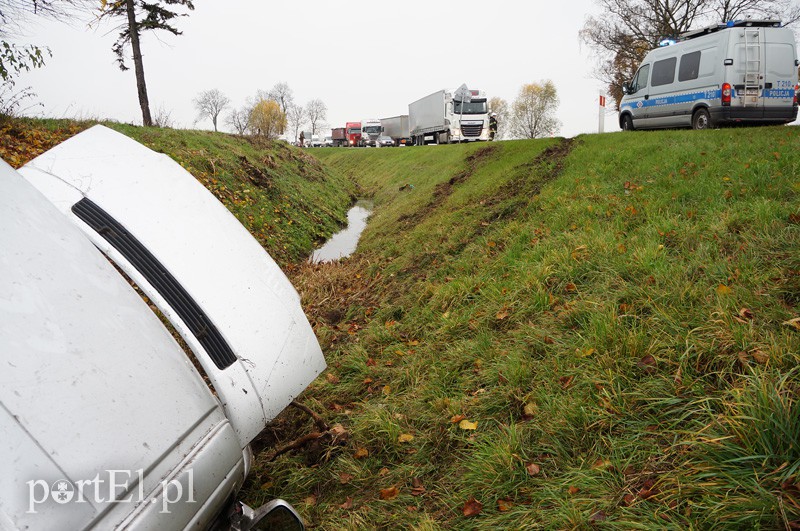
442, 117
397, 128
371, 129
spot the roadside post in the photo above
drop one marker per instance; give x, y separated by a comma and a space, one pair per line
601, 117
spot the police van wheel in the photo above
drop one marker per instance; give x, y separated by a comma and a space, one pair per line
701, 119
627, 123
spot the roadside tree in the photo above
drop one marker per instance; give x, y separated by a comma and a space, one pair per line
627, 29
317, 113
239, 120
296, 118
139, 16
267, 120
282, 94
533, 112
209, 104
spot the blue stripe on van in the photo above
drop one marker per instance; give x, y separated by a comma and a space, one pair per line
689, 97
702, 95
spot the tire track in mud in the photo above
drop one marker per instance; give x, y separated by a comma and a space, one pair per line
444, 190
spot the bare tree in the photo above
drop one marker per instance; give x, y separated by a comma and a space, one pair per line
162, 117
141, 15
317, 113
282, 94
534, 111
239, 120
210, 103
296, 117
627, 29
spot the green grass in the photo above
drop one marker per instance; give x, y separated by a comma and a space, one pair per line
618, 321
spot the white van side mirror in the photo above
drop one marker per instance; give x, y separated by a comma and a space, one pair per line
626, 88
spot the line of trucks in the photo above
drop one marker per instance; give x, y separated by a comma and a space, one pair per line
442, 118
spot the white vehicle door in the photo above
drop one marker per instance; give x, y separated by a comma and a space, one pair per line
637, 99
192, 258
780, 73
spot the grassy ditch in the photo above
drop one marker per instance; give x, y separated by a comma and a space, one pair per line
287, 200
561, 334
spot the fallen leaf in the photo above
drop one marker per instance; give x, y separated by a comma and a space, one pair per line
794, 323
760, 357
417, 488
548, 340
390, 493
529, 411
573, 490
405, 438
571, 288
310, 500
387, 389
383, 472
332, 378
647, 363
628, 499
472, 507
457, 418
502, 314
722, 289
348, 504
467, 425
599, 516
745, 313
566, 381
504, 505
533, 469
345, 478
361, 453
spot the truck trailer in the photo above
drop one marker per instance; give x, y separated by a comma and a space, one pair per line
339, 136
397, 128
442, 117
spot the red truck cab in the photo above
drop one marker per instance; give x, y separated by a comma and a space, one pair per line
353, 132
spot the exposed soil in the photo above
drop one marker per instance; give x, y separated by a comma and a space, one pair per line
443, 190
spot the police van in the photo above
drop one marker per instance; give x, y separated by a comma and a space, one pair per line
739, 72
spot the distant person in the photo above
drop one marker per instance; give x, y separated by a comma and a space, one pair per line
492, 126
302, 139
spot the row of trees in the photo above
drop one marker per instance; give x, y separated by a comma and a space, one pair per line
531, 115
270, 114
627, 29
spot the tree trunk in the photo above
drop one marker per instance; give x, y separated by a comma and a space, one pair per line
138, 66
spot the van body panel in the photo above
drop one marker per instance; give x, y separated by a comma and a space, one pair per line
93, 385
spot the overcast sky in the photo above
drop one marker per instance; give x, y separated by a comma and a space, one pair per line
363, 59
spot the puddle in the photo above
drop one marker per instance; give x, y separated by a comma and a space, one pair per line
343, 243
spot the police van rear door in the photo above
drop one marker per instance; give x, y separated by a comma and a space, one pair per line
780, 72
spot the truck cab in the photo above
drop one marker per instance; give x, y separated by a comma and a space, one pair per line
371, 129
353, 130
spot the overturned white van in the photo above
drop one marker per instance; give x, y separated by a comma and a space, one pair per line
106, 423
739, 72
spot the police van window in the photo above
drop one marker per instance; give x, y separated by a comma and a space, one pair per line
690, 66
664, 71
640, 80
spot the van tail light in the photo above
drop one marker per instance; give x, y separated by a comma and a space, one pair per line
796, 90
726, 93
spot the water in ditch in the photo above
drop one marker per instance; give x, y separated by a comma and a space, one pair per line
343, 243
